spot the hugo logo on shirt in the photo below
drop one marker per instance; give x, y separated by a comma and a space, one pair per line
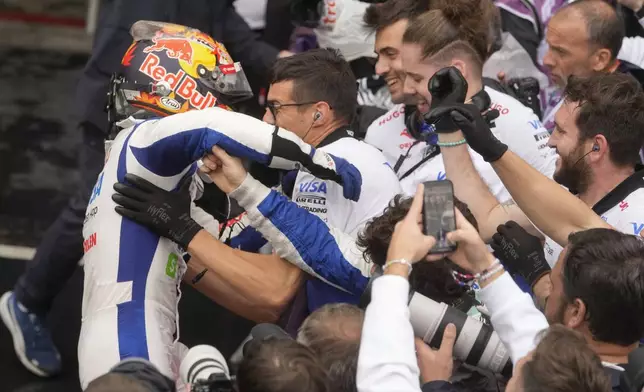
391, 116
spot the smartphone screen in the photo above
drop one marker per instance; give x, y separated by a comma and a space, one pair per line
438, 214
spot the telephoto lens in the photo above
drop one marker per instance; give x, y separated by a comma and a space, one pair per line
476, 343
205, 370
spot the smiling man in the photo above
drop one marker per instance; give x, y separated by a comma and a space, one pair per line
430, 41
389, 20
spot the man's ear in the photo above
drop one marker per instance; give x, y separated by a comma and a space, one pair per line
599, 147
575, 314
322, 112
461, 66
601, 60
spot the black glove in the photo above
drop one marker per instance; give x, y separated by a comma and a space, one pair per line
476, 129
165, 213
520, 252
447, 87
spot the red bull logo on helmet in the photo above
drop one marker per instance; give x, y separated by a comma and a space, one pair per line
176, 48
183, 85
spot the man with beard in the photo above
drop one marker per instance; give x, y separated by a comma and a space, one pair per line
599, 131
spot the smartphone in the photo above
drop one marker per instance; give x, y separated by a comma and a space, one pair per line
438, 214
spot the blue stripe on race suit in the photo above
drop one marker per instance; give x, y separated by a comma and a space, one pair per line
319, 294
136, 252
169, 156
186, 177
313, 241
249, 240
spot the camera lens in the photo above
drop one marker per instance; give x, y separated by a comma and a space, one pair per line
201, 362
476, 343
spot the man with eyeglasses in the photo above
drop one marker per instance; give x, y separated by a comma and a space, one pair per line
313, 95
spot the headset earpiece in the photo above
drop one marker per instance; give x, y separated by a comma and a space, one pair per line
595, 147
317, 116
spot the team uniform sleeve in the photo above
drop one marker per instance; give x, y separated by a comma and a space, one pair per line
514, 316
303, 238
168, 146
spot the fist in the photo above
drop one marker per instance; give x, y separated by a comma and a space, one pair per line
225, 171
447, 86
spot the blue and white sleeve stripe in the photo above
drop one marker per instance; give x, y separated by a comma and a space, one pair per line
303, 238
169, 145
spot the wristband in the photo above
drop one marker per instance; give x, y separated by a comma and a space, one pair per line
489, 274
491, 270
451, 144
398, 261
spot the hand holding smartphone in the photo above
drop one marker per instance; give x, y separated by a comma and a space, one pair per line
438, 214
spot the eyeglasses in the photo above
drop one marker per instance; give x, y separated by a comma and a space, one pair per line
275, 106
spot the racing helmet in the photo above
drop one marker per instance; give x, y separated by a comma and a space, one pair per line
172, 69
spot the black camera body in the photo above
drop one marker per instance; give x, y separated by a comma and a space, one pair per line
526, 90
214, 383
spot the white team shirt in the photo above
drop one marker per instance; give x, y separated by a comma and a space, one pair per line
325, 198
517, 126
622, 208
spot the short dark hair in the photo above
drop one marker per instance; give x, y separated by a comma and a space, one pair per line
605, 27
564, 362
320, 75
610, 104
605, 269
381, 15
433, 280
333, 333
281, 365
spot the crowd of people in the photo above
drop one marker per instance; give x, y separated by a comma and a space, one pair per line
310, 220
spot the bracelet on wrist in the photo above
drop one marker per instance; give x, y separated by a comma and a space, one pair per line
489, 274
474, 281
398, 261
451, 144
492, 266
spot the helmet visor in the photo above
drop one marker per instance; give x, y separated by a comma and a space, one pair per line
229, 80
